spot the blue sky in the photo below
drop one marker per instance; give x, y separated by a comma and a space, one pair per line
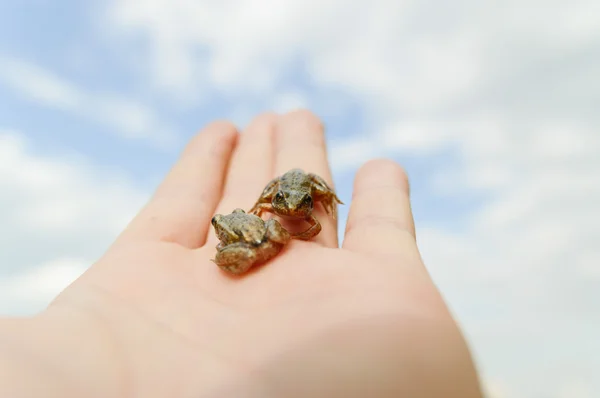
43, 33
490, 108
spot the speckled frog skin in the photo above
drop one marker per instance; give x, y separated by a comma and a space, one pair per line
246, 240
293, 195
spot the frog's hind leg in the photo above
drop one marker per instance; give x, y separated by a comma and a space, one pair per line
264, 200
236, 258
311, 232
323, 193
276, 233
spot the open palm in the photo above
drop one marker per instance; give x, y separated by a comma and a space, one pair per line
363, 320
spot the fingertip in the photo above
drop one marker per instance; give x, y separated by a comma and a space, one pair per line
182, 205
251, 165
380, 217
218, 136
264, 121
381, 170
222, 125
303, 126
218, 128
305, 116
300, 143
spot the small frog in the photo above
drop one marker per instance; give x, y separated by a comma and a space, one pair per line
293, 195
246, 240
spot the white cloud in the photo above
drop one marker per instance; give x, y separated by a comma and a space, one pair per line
575, 389
414, 137
495, 389
128, 118
289, 101
246, 109
58, 216
32, 82
34, 288
509, 88
527, 259
588, 263
348, 153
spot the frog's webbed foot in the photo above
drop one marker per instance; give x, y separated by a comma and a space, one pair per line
236, 258
276, 233
323, 193
311, 232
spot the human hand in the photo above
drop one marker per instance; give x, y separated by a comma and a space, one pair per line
154, 317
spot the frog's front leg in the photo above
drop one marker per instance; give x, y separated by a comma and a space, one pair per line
323, 193
311, 232
264, 200
236, 258
276, 233
259, 208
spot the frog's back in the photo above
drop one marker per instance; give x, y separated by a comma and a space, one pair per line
295, 180
248, 226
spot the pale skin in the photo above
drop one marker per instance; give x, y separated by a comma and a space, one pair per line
154, 317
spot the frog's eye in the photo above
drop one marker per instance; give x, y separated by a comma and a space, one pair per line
307, 200
279, 196
213, 220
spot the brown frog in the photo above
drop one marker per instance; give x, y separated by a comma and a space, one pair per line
246, 240
293, 195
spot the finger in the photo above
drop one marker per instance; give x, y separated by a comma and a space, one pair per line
380, 218
251, 168
182, 206
300, 143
